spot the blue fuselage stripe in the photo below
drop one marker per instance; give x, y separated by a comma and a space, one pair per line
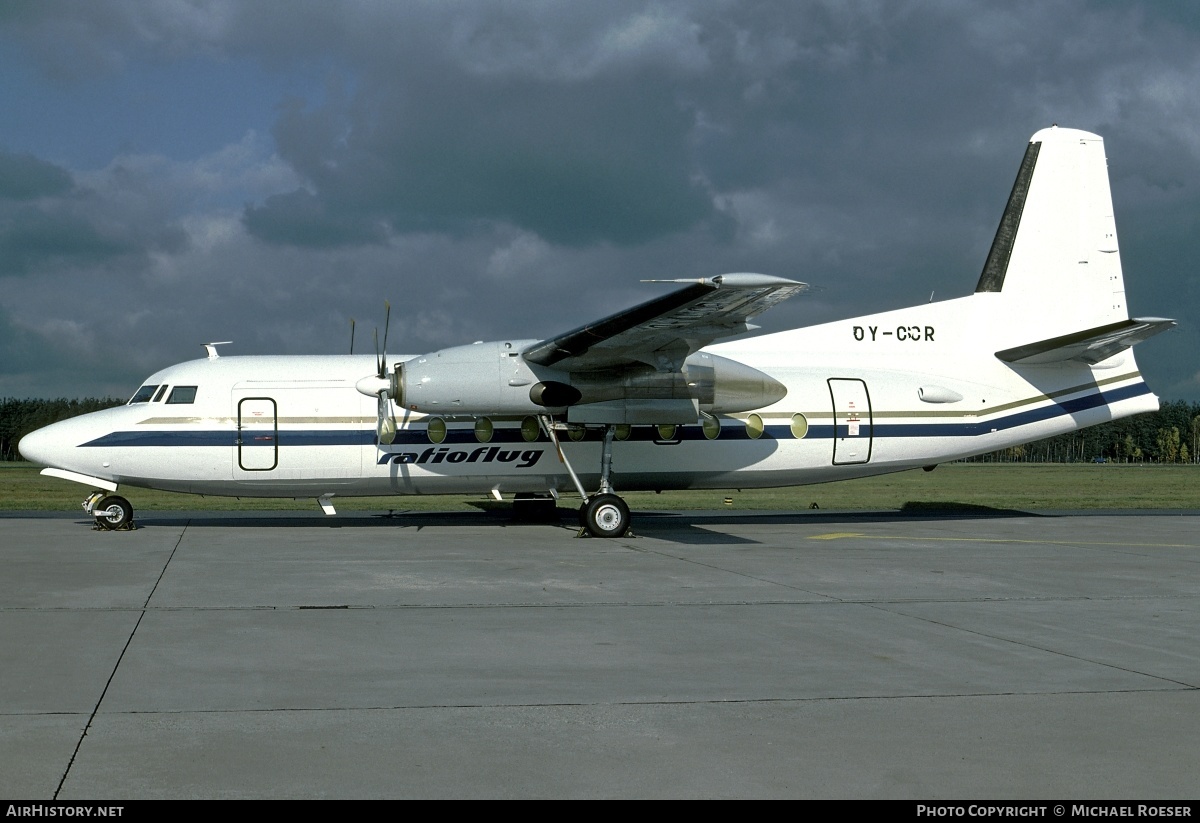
418, 436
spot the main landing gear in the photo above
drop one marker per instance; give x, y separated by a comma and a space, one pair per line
603, 514
112, 512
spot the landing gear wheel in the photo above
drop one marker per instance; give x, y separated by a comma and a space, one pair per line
113, 513
605, 515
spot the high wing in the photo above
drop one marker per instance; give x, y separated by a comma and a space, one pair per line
664, 331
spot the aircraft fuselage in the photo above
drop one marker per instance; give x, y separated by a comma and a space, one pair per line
295, 426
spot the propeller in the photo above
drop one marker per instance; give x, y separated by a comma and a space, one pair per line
382, 385
352, 335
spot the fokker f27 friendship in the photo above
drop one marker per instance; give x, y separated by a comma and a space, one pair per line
641, 400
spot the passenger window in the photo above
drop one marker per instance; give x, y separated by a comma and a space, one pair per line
161, 391
144, 394
182, 394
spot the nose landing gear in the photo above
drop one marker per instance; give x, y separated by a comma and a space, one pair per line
112, 512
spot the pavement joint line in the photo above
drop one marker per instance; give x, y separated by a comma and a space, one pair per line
917, 539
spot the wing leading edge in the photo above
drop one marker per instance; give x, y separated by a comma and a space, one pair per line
662, 332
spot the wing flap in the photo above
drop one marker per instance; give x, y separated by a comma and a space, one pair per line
665, 330
1090, 346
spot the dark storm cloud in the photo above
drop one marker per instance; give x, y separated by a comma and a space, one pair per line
471, 156
35, 239
36, 220
581, 137
22, 349
625, 128
576, 163
299, 218
25, 177
39, 225
81, 227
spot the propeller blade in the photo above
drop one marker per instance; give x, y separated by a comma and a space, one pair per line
387, 320
352, 335
381, 385
385, 426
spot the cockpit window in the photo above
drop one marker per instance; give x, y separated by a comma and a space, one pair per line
144, 394
182, 394
161, 391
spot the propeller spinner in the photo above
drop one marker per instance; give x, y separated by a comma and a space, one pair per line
382, 385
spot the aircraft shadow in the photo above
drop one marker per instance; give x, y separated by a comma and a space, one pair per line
691, 526
687, 527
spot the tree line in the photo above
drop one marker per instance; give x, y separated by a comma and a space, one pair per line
1169, 435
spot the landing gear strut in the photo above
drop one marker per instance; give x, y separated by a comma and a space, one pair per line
603, 514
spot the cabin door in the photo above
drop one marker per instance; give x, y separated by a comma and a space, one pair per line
852, 427
257, 434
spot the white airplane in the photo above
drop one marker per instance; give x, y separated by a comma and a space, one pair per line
641, 400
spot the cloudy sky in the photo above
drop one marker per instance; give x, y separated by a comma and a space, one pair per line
179, 171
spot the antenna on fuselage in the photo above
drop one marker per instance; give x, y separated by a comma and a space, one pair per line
352, 335
212, 348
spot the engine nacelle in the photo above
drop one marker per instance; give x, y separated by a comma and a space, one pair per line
706, 383
717, 384
482, 379
493, 379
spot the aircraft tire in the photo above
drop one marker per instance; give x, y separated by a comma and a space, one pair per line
605, 515
113, 513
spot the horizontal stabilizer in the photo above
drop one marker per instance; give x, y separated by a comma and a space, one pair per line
1090, 346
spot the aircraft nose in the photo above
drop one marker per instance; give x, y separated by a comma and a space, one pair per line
38, 446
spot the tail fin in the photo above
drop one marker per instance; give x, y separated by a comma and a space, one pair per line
1055, 262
